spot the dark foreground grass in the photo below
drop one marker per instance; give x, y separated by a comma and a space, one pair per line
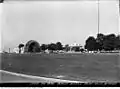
95, 67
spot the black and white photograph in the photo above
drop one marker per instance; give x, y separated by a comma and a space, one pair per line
59, 41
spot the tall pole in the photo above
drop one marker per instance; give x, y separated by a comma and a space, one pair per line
98, 18
119, 50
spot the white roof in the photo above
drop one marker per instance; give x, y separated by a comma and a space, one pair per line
75, 44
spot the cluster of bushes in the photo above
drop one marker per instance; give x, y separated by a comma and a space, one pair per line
103, 42
52, 46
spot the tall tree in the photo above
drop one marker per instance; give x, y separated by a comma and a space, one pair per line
67, 48
59, 46
117, 42
109, 42
52, 46
34, 47
90, 44
99, 41
106, 42
44, 47
100, 36
20, 46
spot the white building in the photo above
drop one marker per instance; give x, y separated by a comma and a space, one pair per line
47, 51
16, 50
22, 50
72, 46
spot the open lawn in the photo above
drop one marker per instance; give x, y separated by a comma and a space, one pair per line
80, 67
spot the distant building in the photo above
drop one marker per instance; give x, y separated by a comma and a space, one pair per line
16, 50
47, 51
22, 50
75, 47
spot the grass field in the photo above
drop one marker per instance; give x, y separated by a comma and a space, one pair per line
80, 67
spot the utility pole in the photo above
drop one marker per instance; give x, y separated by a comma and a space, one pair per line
119, 53
98, 17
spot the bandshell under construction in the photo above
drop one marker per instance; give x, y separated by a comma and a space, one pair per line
32, 46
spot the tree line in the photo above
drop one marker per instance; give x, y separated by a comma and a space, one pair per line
103, 42
43, 47
52, 46
59, 46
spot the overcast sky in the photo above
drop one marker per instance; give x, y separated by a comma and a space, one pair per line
52, 21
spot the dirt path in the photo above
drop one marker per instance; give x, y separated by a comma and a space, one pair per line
7, 77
